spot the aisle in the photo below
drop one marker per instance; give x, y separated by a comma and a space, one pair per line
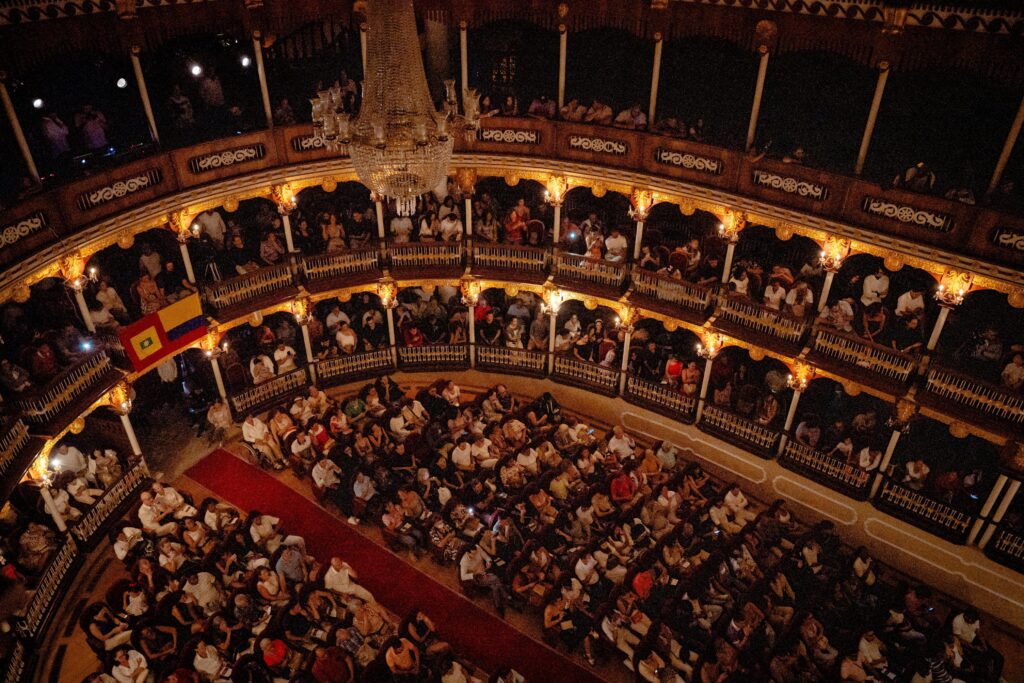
480, 636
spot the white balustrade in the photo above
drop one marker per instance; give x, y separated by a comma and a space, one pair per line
11, 444
249, 286
976, 394
268, 391
510, 257
356, 365
511, 359
64, 389
425, 254
329, 266
16, 663
828, 466
660, 395
442, 354
680, 292
590, 374
1008, 543
752, 432
111, 501
862, 353
762, 319
594, 271
924, 508
47, 589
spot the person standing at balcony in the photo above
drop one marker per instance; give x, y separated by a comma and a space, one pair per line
874, 323
633, 118
360, 228
451, 227
271, 249
573, 111
598, 113
211, 92
911, 303
15, 378
876, 288
284, 358
150, 260
739, 283
212, 225
401, 229
55, 132
774, 295
173, 285
92, 128
1012, 375
617, 246
111, 301
179, 106
800, 300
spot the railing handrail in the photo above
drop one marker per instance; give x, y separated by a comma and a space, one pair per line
638, 386
799, 452
568, 255
111, 501
58, 392
889, 486
482, 245
268, 390
644, 274
340, 365
784, 316
348, 254
937, 366
824, 326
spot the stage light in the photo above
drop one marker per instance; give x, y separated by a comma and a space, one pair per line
37, 103
196, 70
122, 83
246, 61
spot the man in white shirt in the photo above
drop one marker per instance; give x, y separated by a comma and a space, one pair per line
401, 229
335, 318
339, 578
169, 500
204, 588
284, 358
325, 474
69, 459
737, 503
774, 295
261, 368
256, 434
483, 452
633, 118
302, 445
451, 228
1013, 374
150, 515
462, 457
799, 299
876, 288
130, 667
212, 225
617, 246
911, 302
474, 567
621, 444
264, 533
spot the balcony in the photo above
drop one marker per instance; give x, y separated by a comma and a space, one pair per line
17, 452
427, 259
587, 375
921, 511
277, 390
334, 371
827, 470
243, 293
324, 272
515, 361
441, 357
667, 295
660, 398
50, 587
1007, 548
744, 432
991, 405
765, 323
108, 509
54, 406
525, 263
884, 368
595, 275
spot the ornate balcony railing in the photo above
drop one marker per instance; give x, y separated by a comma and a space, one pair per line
64, 389
829, 470
272, 390
16, 663
321, 267
434, 356
341, 369
864, 354
589, 270
662, 397
1007, 547
920, 510
588, 374
248, 287
977, 394
512, 360
93, 521
741, 429
522, 259
686, 294
48, 588
421, 255
762, 319
11, 444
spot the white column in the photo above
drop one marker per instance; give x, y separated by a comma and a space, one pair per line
140, 83
704, 387
729, 252
215, 366
639, 239
362, 46
51, 507
990, 502
289, 240
624, 365
391, 337
468, 222
869, 127
471, 323
789, 420
830, 275
464, 59
1004, 155
563, 42
19, 134
187, 260
379, 208
261, 71
655, 76
886, 459
558, 224
937, 330
551, 340
755, 110
130, 432
84, 309
310, 358
1004, 505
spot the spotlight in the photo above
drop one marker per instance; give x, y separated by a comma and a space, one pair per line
87, 345
246, 61
122, 83
196, 70
37, 103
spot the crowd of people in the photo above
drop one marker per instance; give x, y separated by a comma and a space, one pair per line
853, 432
624, 549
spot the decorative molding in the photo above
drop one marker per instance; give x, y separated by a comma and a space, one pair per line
903, 213
691, 162
790, 185
510, 136
1008, 238
122, 187
28, 11
205, 163
599, 145
307, 143
11, 233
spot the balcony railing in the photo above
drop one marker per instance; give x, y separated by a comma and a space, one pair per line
680, 292
322, 267
864, 354
513, 360
48, 589
272, 390
592, 271
426, 255
661, 396
248, 287
762, 319
920, 510
434, 356
11, 444
1007, 547
341, 369
977, 394
93, 521
588, 374
64, 389
522, 259
739, 428
16, 663
829, 470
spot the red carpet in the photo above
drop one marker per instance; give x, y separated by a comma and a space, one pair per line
477, 634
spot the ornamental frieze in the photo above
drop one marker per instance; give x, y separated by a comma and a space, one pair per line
790, 185
1009, 238
119, 188
12, 232
691, 162
308, 143
590, 143
906, 214
510, 136
205, 163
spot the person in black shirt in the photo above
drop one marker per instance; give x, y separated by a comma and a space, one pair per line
710, 271
359, 229
490, 330
434, 331
373, 336
173, 285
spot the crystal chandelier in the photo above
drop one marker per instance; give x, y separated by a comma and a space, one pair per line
399, 144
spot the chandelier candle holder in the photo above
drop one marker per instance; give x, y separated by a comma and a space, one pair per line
400, 145
952, 289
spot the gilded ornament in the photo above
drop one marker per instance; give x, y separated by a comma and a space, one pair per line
231, 205
671, 325
511, 290
599, 190
851, 388
784, 234
1016, 298
893, 263
77, 426
125, 240
22, 293
329, 185
590, 303
256, 319
756, 354
512, 179
958, 430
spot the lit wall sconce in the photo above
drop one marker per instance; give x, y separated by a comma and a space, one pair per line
953, 287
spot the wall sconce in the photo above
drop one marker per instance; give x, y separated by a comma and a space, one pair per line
470, 289
284, 197
209, 343
710, 345
629, 318
120, 397
301, 310
72, 269
641, 201
953, 287
731, 225
557, 186
801, 376
465, 178
387, 290
833, 252
553, 297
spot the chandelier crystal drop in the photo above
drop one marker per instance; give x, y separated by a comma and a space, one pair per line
400, 145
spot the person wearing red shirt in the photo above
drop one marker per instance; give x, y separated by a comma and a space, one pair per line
275, 652
332, 665
623, 488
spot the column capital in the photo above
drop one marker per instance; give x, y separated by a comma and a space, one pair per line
135, 50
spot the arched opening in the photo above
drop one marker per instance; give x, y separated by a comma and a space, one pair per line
609, 65
984, 338
512, 214
784, 276
513, 59
589, 222
753, 390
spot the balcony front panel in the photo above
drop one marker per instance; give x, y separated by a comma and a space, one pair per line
342, 369
529, 264
426, 258
992, 402
833, 472
589, 273
880, 366
753, 436
275, 390
1007, 548
250, 291
516, 361
662, 398
681, 298
584, 374
91, 527
442, 357
67, 395
50, 587
762, 320
323, 272
924, 512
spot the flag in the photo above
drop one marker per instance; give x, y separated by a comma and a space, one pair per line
160, 335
